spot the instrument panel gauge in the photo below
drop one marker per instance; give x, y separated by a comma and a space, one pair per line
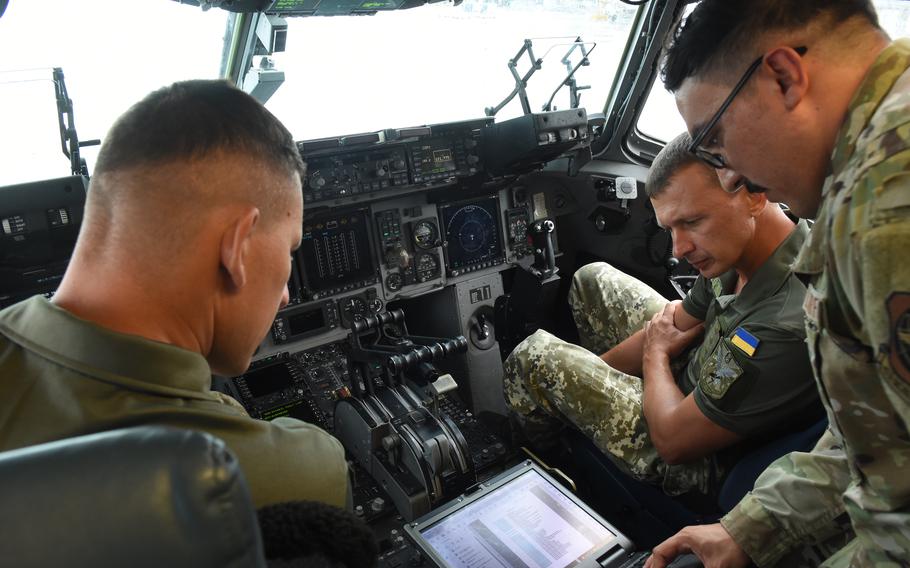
355, 308
394, 281
426, 235
427, 267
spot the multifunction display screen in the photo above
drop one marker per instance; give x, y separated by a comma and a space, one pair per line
472, 233
268, 380
335, 253
304, 322
435, 157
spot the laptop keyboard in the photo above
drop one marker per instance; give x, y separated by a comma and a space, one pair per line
636, 560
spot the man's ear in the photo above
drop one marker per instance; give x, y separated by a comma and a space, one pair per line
757, 203
235, 243
790, 73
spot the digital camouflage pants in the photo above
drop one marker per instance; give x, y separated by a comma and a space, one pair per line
550, 383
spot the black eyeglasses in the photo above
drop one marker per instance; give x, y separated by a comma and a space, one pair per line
716, 160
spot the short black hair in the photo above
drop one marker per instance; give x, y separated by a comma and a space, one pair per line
717, 27
192, 119
671, 159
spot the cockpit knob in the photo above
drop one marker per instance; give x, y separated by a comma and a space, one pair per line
377, 504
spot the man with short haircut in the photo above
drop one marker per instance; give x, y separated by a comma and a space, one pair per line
664, 417
183, 259
810, 101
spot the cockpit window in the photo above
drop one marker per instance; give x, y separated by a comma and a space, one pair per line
111, 55
660, 119
440, 63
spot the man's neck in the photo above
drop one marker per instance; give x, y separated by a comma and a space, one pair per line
772, 229
116, 302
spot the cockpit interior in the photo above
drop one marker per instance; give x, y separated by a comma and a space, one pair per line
463, 159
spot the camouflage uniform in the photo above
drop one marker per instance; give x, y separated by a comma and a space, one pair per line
857, 315
549, 382
546, 377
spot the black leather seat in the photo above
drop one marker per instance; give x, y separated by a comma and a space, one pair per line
144, 496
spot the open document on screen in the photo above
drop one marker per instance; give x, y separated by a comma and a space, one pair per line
525, 523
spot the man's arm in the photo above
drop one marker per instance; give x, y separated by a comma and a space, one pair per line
627, 356
796, 501
679, 430
881, 503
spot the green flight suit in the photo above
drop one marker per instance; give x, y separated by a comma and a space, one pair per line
857, 315
757, 395
61, 376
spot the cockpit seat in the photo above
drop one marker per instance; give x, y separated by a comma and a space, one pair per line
743, 475
645, 513
142, 496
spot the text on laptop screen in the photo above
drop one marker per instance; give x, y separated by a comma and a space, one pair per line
526, 523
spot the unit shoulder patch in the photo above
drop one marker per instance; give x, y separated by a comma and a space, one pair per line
719, 372
898, 307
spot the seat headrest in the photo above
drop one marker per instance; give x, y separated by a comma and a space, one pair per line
143, 496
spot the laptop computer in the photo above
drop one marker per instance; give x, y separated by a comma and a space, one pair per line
522, 518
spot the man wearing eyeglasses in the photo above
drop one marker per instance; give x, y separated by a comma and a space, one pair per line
820, 120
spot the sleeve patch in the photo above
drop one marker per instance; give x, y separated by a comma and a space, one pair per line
898, 307
745, 341
719, 372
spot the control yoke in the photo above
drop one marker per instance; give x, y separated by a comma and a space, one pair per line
527, 306
541, 235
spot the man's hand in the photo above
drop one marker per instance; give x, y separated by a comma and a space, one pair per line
711, 543
663, 337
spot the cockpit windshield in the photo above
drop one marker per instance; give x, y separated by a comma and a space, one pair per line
440, 63
111, 56
343, 74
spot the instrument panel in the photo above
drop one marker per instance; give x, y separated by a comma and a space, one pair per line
392, 160
401, 214
354, 260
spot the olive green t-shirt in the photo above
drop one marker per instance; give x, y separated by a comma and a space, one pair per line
752, 368
61, 376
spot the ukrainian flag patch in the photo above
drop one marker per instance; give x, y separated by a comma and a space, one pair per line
746, 342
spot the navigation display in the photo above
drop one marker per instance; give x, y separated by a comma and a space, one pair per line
526, 523
335, 254
471, 234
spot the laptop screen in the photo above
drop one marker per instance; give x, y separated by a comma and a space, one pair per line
523, 519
